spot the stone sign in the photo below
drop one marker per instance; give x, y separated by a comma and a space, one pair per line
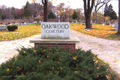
55, 30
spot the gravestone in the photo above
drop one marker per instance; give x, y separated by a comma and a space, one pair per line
2, 27
103, 24
115, 25
22, 23
17, 23
3, 23
55, 34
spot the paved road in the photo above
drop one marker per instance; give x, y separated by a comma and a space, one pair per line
107, 50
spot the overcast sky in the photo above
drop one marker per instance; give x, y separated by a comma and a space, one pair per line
73, 3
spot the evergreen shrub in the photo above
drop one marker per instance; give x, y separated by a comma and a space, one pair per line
54, 63
12, 27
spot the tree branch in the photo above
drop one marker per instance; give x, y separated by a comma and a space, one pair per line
92, 3
43, 2
103, 3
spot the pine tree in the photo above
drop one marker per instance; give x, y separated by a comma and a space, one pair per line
110, 12
113, 16
74, 16
26, 11
106, 10
51, 15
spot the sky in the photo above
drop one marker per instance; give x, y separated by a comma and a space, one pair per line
73, 3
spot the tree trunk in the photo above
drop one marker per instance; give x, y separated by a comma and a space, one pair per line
119, 20
96, 17
88, 24
45, 12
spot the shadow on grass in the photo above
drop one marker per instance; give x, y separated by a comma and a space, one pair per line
95, 29
113, 37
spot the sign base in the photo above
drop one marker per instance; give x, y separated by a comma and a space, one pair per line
65, 43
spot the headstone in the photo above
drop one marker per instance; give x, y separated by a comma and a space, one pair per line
113, 25
91, 22
22, 23
15, 33
2, 27
3, 23
86, 29
6, 33
35, 22
116, 26
103, 24
76, 21
25, 23
17, 23
52, 30
83, 23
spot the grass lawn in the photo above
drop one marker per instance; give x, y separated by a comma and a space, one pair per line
97, 30
22, 32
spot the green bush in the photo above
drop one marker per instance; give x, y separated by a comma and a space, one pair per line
12, 27
53, 64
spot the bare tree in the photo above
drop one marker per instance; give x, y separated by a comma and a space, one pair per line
61, 10
35, 8
79, 13
99, 4
88, 6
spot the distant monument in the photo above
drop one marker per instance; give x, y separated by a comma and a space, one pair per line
3, 28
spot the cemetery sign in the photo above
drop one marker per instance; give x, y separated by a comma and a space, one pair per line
55, 30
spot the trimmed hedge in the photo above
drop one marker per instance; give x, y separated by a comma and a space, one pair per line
12, 27
53, 64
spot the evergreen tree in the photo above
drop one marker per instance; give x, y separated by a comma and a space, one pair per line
110, 12
74, 16
110, 8
113, 15
51, 15
26, 11
106, 10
